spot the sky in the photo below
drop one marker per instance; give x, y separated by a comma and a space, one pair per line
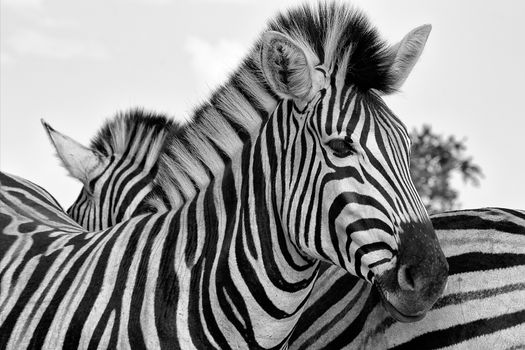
76, 63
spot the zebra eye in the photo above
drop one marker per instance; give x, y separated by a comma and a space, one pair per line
341, 147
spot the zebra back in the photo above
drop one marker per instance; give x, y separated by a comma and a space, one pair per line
23, 198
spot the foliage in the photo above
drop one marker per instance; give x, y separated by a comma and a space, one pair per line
434, 161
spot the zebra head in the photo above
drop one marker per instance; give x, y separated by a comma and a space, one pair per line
117, 171
349, 155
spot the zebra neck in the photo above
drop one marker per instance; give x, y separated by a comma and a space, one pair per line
237, 270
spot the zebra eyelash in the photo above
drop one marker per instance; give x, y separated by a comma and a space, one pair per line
342, 147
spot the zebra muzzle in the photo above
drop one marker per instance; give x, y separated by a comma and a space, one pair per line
397, 314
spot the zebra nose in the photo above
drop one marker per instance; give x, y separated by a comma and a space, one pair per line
405, 278
422, 282
414, 278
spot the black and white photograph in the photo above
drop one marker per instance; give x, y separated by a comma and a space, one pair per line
248, 174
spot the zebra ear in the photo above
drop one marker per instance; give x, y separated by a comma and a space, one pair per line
407, 52
286, 66
81, 162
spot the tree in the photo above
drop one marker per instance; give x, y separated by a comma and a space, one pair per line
435, 159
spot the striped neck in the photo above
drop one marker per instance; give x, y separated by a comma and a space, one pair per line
247, 278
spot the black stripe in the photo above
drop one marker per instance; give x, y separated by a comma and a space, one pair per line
517, 213
136, 337
365, 249
462, 297
470, 222
463, 332
331, 103
476, 261
167, 291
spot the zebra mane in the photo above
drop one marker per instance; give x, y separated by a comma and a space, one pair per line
128, 131
335, 34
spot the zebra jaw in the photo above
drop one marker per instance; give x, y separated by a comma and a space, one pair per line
394, 312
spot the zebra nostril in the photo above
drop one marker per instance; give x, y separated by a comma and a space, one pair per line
405, 278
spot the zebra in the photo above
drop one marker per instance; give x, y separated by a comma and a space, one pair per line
294, 128
118, 168
480, 244
354, 319
195, 166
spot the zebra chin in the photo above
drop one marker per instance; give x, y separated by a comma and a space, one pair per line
397, 314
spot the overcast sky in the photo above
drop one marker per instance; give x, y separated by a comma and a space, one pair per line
76, 63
